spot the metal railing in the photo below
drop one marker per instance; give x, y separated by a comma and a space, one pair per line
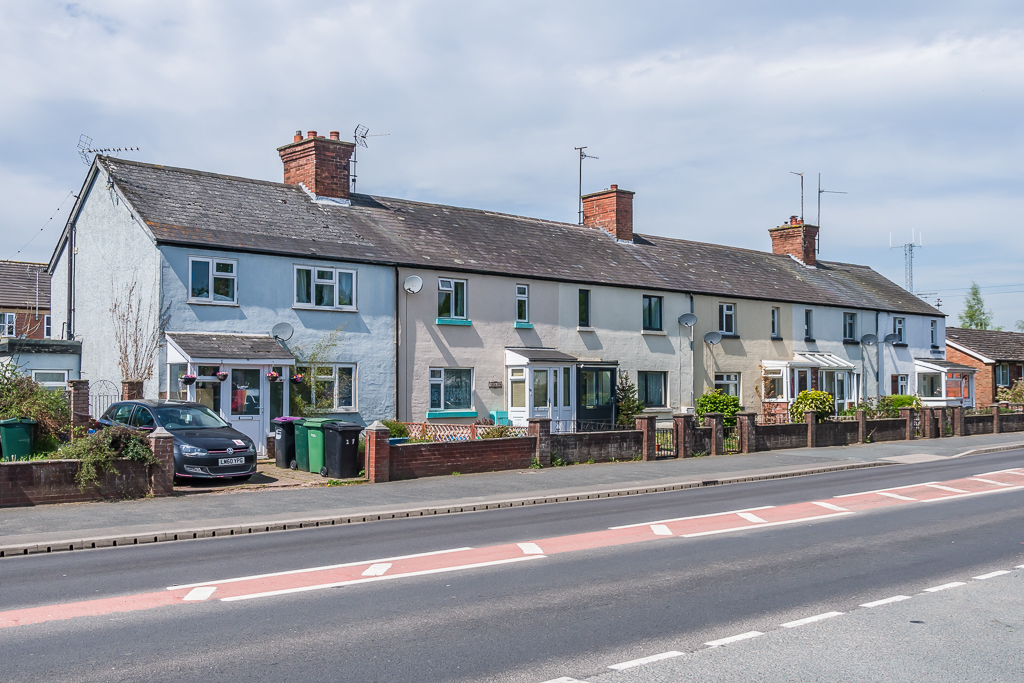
98, 403
731, 439
664, 441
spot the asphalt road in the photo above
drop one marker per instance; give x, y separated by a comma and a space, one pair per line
571, 614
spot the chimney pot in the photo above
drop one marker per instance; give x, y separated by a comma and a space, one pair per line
319, 164
298, 136
610, 210
797, 239
310, 135
614, 187
335, 135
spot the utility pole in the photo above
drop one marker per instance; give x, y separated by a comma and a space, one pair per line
583, 155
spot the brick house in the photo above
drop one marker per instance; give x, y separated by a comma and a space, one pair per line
998, 358
24, 300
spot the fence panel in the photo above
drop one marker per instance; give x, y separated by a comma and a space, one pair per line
731, 439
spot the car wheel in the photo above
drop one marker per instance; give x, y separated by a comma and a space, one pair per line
245, 478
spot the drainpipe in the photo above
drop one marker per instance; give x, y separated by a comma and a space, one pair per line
71, 280
878, 366
397, 364
693, 379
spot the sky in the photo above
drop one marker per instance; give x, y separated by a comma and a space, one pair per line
704, 110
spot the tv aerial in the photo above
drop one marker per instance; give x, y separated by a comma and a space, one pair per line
85, 148
359, 135
583, 155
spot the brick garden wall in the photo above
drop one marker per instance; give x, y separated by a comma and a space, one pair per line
978, 424
890, 429
778, 437
702, 440
53, 481
837, 433
1011, 422
411, 461
597, 446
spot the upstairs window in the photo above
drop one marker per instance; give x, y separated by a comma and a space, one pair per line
325, 288
727, 318
775, 323
7, 328
935, 332
451, 298
522, 303
213, 281
584, 320
47, 327
897, 329
808, 324
652, 312
849, 325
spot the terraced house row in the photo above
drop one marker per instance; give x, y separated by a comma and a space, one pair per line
437, 313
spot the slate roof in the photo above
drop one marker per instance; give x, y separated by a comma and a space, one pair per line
18, 285
999, 346
242, 346
195, 208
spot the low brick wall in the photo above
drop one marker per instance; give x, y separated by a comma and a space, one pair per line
411, 461
778, 437
598, 446
978, 424
40, 482
888, 429
1011, 422
836, 433
702, 440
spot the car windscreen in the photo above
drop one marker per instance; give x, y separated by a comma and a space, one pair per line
188, 417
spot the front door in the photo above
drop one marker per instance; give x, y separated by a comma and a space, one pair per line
595, 398
243, 403
541, 392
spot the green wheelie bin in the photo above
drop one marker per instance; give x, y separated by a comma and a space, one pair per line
16, 438
301, 446
315, 438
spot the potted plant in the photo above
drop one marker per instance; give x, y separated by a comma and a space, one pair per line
222, 375
273, 376
296, 379
187, 379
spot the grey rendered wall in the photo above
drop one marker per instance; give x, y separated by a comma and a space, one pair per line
59, 297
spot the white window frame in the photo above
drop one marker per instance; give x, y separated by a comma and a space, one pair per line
332, 376
1002, 374
47, 327
808, 323
776, 314
211, 264
438, 378
898, 327
727, 318
935, 332
447, 284
311, 306
775, 373
729, 379
849, 325
8, 325
902, 384
522, 294
51, 385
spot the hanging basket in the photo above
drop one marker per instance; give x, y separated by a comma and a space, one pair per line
186, 380
296, 379
273, 376
222, 376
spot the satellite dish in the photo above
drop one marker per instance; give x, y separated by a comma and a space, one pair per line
282, 331
712, 338
891, 338
687, 320
413, 284
869, 340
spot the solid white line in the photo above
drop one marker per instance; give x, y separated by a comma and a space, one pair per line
766, 524
750, 517
1019, 474
661, 530
990, 481
530, 548
891, 488
564, 679
811, 620
379, 569
946, 488
645, 660
895, 495
886, 601
734, 639
316, 569
829, 506
353, 582
1019, 566
991, 575
1012, 470
201, 593
683, 519
936, 589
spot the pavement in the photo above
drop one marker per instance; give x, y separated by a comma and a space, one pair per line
295, 502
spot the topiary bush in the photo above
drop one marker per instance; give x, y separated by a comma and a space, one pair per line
821, 402
714, 401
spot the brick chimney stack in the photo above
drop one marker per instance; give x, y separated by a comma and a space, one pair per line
797, 239
320, 164
611, 210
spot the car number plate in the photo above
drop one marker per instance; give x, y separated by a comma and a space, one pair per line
231, 461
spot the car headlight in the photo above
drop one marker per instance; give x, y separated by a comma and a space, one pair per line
187, 449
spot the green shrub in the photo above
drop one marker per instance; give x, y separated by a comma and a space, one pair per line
821, 402
98, 451
889, 406
22, 397
1014, 394
398, 430
714, 401
629, 406
497, 432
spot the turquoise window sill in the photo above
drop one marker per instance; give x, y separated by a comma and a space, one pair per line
450, 413
453, 321
524, 326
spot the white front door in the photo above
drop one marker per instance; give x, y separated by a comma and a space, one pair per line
243, 403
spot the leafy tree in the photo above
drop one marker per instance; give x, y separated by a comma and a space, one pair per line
629, 405
974, 315
1019, 325
714, 401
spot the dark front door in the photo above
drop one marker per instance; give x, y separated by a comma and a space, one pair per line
595, 397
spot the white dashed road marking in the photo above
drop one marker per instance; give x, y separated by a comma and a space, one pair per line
990, 481
894, 495
936, 589
530, 548
945, 488
661, 530
991, 575
886, 601
378, 569
750, 517
563, 679
198, 594
645, 660
811, 620
829, 506
734, 639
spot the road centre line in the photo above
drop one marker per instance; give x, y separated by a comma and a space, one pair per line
316, 569
946, 488
811, 620
990, 481
564, 679
530, 548
750, 517
762, 526
684, 519
991, 575
352, 582
895, 495
945, 586
886, 601
661, 530
645, 660
733, 639
828, 506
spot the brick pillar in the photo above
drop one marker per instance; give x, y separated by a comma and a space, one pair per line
648, 424
746, 430
995, 418
79, 404
908, 422
131, 390
862, 427
925, 420
959, 424
940, 428
378, 453
714, 420
540, 429
682, 437
811, 418
161, 477
271, 450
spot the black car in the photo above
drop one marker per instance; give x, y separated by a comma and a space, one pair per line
205, 446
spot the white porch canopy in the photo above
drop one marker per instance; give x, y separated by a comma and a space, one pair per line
821, 360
